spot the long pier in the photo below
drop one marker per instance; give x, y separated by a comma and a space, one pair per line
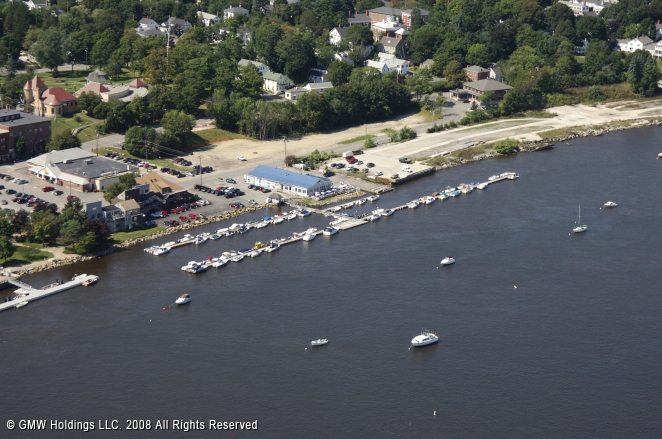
36, 293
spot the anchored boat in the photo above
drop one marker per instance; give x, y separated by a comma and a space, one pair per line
426, 338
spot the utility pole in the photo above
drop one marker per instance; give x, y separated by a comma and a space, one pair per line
97, 143
200, 170
285, 142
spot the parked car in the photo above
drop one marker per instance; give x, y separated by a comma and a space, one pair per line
58, 192
252, 201
241, 205
150, 223
47, 188
174, 223
378, 173
157, 215
370, 165
72, 197
465, 101
167, 223
242, 158
10, 191
183, 219
230, 180
395, 176
193, 216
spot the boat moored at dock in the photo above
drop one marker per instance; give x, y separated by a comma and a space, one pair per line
328, 231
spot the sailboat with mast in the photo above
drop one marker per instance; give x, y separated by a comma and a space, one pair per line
579, 227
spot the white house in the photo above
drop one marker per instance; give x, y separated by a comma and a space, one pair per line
234, 11
658, 30
597, 5
37, 4
209, 19
657, 50
148, 28
244, 33
261, 67
288, 181
639, 43
176, 26
319, 87
577, 8
344, 57
276, 82
389, 63
294, 93
581, 48
337, 35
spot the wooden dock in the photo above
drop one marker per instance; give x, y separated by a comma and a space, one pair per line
36, 293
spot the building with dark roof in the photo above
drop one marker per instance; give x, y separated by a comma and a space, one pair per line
359, 20
288, 181
393, 46
98, 76
476, 73
473, 90
36, 131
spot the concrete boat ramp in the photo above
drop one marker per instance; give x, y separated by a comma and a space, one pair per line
38, 293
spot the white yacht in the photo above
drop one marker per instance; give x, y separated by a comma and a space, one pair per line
261, 225
199, 240
373, 198
659, 156
222, 231
428, 200
220, 262
278, 220
330, 231
197, 268
79, 276
443, 196
189, 265
304, 213
448, 260
579, 227
186, 238
161, 251
494, 177
512, 176
255, 253
375, 217
610, 204
377, 211
309, 236
335, 209
21, 304
388, 212
291, 216
361, 202
272, 247
238, 258
413, 204
319, 342
426, 338
184, 298
151, 249
482, 186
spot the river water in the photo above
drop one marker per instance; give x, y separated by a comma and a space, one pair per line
572, 352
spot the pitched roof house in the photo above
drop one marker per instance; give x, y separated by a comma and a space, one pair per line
176, 26
337, 35
276, 82
261, 67
234, 11
393, 46
208, 19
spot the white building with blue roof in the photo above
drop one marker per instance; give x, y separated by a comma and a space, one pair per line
288, 181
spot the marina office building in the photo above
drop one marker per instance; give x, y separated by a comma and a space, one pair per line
288, 181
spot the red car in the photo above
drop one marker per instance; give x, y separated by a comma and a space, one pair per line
47, 189
220, 188
183, 219
193, 216
71, 197
164, 213
232, 205
174, 222
466, 101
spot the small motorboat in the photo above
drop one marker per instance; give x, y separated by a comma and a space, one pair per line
375, 217
262, 225
373, 198
428, 200
335, 209
215, 236
494, 177
426, 338
659, 156
361, 202
21, 304
442, 196
512, 176
388, 212
242, 229
454, 193
238, 258
151, 249
184, 298
222, 231
161, 251
291, 216
610, 204
278, 220
482, 186
413, 204
272, 247
255, 253
89, 282
79, 276
220, 262
199, 240
258, 245
309, 235
197, 268
319, 342
304, 213
189, 265
448, 260
328, 231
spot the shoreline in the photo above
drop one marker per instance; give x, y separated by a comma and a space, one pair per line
590, 130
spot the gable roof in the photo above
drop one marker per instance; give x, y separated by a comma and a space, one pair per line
644, 39
318, 85
92, 87
236, 10
341, 31
246, 62
409, 11
275, 76
34, 84
57, 96
287, 177
384, 10
128, 205
487, 85
390, 42
358, 19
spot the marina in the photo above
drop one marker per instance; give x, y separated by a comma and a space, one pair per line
26, 293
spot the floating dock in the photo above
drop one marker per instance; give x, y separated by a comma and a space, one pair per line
36, 293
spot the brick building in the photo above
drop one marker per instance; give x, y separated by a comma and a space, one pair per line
476, 73
15, 124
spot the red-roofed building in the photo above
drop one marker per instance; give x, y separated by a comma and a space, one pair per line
137, 83
49, 102
93, 87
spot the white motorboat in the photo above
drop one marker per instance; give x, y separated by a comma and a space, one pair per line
197, 268
21, 304
199, 240
610, 204
304, 213
235, 226
443, 196
659, 156
373, 198
291, 216
494, 177
579, 227
426, 338
466, 189
220, 262
169, 244
388, 212
308, 237
255, 253
186, 238
448, 260
335, 209
238, 258
161, 251
413, 204
151, 249
272, 247
261, 225
482, 186
330, 231
375, 217
191, 264
377, 211
79, 276
512, 176
184, 298
319, 342
222, 231
243, 229
428, 200
278, 220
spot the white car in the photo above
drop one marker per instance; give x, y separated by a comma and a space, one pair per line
242, 158
252, 201
378, 173
189, 174
157, 215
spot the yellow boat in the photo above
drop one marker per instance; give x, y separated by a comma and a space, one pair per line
258, 245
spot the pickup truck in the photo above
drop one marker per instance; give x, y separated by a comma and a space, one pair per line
405, 160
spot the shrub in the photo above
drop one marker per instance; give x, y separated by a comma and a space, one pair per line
407, 133
369, 143
507, 146
452, 124
78, 119
394, 136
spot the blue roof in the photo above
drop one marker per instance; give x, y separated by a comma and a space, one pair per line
284, 176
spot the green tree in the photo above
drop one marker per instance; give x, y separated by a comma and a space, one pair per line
103, 48
643, 73
50, 49
420, 83
19, 222
507, 146
177, 122
45, 229
63, 140
479, 54
88, 101
331, 13
7, 248
265, 39
296, 55
100, 231
359, 36
454, 72
113, 191
422, 42
70, 232
250, 83
407, 133
72, 210
339, 72
369, 143
138, 141
557, 13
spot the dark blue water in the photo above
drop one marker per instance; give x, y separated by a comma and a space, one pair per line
572, 352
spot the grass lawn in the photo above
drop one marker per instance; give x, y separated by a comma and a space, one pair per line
161, 163
580, 59
67, 123
357, 139
22, 256
74, 80
428, 116
206, 137
133, 234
